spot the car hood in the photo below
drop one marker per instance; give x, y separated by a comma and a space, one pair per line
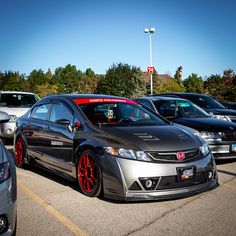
19, 111
149, 138
206, 124
226, 112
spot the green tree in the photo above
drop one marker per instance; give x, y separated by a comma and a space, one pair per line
45, 89
178, 76
229, 93
1, 80
89, 82
12, 81
41, 83
68, 79
37, 77
215, 86
123, 80
194, 84
169, 86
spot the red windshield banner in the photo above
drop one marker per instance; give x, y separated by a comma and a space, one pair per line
103, 100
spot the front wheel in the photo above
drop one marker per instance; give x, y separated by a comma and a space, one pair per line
89, 174
20, 152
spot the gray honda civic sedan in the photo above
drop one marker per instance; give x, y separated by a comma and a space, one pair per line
7, 188
115, 147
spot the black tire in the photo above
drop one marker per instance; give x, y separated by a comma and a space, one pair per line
20, 153
89, 176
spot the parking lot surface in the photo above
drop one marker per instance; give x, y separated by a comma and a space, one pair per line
51, 205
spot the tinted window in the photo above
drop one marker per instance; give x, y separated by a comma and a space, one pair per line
146, 103
40, 112
60, 112
17, 100
205, 102
179, 108
119, 114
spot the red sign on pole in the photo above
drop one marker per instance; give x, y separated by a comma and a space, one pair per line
150, 70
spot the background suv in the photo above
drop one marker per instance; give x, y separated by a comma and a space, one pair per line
16, 104
206, 102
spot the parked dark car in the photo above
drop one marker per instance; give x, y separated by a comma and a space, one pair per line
7, 187
207, 103
113, 146
229, 105
219, 134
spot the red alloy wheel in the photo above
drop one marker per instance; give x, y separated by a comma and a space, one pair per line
87, 173
19, 152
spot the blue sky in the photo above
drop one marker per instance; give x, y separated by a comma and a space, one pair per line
199, 35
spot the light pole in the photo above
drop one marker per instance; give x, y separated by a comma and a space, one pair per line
150, 68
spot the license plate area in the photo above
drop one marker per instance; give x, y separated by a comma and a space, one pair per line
233, 147
186, 173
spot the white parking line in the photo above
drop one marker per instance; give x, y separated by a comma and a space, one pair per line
55, 213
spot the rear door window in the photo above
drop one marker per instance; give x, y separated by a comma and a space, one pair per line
40, 112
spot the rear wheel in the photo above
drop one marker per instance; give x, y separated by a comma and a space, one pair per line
89, 174
20, 152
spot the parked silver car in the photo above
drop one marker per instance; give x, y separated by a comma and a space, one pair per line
16, 104
7, 188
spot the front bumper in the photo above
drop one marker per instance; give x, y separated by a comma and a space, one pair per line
8, 206
129, 183
222, 150
7, 129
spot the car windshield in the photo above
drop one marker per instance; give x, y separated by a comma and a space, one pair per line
179, 108
206, 102
17, 100
119, 112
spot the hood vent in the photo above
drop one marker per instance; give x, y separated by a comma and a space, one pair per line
146, 137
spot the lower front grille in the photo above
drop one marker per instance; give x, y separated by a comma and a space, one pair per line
170, 182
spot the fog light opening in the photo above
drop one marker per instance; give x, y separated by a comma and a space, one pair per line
9, 131
148, 183
3, 224
209, 175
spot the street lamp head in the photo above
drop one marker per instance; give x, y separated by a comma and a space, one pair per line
152, 30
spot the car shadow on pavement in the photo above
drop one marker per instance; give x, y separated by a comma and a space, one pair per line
51, 176
226, 172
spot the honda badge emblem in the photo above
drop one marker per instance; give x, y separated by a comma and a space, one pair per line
180, 156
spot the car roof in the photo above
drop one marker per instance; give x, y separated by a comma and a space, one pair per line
153, 98
15, 92
77, 96
181, 94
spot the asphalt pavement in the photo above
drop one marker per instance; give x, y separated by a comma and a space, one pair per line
51, 205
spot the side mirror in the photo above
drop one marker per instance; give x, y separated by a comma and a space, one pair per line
63, 122
78, 125
4, 117
67, 123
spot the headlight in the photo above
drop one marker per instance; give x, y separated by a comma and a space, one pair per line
4, 172
13, 118
127, 153
210, 136
197, 133
204, 149
222, 117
